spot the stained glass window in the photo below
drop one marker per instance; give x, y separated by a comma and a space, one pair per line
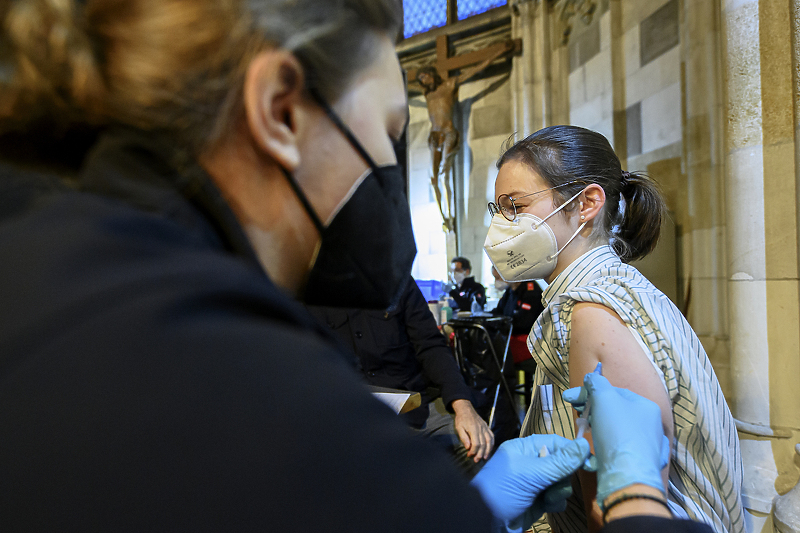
422, 15
468, 8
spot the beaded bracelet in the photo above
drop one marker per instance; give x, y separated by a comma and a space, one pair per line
627, 497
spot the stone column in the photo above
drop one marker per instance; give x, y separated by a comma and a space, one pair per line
531, 74
522, 66
762, 250
787, 506
703, 159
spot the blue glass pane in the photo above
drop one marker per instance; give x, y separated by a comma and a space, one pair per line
423, 15
468, 8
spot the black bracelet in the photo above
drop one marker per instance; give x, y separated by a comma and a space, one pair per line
627, 497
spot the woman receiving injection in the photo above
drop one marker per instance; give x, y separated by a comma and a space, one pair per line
567, 213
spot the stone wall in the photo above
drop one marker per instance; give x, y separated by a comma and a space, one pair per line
704, 96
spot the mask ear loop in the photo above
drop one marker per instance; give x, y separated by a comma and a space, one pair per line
580, 228
342, 128
303, 200
350, 138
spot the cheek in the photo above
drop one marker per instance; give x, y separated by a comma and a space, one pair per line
329, 168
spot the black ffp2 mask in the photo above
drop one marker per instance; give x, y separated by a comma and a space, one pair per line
366, 252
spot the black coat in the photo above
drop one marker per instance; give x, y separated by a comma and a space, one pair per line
523, 305
401, 349
152, 378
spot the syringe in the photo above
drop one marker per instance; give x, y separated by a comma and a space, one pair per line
583, 421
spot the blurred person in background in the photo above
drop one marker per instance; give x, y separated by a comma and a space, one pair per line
466, 290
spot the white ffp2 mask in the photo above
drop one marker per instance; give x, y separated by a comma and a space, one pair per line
525, 249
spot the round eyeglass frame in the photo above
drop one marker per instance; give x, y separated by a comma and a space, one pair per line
505, 204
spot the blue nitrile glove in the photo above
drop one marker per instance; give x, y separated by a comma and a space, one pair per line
519, 486
629, 442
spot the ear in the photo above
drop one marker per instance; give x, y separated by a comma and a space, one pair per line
592, 201
273, 91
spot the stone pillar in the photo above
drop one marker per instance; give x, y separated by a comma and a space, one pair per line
703, 220
531, 73
618, 81
762, 249
522, 68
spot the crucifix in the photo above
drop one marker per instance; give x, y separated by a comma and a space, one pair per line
441, 94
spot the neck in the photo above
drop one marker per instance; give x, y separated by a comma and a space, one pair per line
281, 233
579, 246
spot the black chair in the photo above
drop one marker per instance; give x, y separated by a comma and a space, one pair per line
480, 346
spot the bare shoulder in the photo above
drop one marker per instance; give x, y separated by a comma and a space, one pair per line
596, 331
598, 334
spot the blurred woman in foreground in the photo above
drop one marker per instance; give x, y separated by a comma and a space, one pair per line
156, 372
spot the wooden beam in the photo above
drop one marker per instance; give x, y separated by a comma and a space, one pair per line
463, 60
442, 53
473, 58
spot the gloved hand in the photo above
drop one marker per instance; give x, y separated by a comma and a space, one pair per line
519, 486
629, 442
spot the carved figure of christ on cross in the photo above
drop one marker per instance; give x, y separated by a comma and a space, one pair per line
441, 94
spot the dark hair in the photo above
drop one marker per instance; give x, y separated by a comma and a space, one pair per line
430, 71
634, 208
465, 264
173, 65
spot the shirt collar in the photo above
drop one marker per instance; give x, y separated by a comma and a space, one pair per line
580, 272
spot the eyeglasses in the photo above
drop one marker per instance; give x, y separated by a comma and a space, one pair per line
505, 204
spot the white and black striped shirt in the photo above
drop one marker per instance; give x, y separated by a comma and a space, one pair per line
705, 477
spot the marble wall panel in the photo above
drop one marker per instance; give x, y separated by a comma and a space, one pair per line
577, 87
653, 77
487, 121
631, 50
635, 11
659, 32
633, 119
584, 46
589, 114
661, 118
660, 265
598, 75
605, 31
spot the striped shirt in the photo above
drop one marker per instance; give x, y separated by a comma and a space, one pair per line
705, 476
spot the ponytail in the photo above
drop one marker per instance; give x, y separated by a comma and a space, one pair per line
639, 222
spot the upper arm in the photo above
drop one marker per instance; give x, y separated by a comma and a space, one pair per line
598, 335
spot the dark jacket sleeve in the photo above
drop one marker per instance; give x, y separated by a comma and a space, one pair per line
431, 348
645, 524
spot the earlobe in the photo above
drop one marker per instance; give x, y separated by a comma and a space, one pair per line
273, 91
